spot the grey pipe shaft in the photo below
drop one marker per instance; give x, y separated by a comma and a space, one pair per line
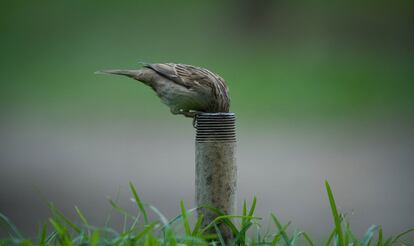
216, 171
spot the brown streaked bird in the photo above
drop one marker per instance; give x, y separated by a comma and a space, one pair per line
186, 89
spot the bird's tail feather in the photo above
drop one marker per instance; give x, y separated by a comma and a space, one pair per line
129, 73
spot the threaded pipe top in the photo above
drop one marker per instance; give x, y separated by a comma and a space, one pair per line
215, 127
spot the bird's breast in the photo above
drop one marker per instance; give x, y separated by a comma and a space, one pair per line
178, 96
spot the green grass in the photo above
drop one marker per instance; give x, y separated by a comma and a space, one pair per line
140, 230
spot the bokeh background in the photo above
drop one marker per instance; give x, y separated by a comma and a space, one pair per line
322, 90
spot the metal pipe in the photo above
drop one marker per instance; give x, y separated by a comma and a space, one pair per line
216, 171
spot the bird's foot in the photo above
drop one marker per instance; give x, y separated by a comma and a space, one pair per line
187, 113
191, 114
175, 111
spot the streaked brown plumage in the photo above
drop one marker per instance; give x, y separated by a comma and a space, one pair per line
186, 89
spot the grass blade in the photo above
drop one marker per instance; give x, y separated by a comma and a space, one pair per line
369, 235
163, 219
224, 218
144, 232
379, 241
120, 210
186, 224
178, 217
242, 234
197, 225
219, 235
168, 233
185, 219
51, 237
42, 238
281, 229
94, 238
59, 215
347, 234
355, 241
8, 224
139, 203
307, 237
276, 239
123, 236
150, 240
64, 237
108, 217
401, 235
331, 236
336, 216
388, 241
252, 207
245, 225
228, 222
244, 213
298, 235
81, 216
26, 243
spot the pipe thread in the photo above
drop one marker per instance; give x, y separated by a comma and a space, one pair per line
215, 127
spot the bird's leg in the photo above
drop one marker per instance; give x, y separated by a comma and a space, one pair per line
188, 114
191, 114
175, 111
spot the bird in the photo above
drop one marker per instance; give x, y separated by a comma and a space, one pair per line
186, 89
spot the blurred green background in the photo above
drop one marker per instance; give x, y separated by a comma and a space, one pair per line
322, 90
281, 59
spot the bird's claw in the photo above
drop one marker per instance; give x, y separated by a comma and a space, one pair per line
186, 113
191, 114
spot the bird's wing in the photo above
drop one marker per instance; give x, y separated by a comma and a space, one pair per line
185, 75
